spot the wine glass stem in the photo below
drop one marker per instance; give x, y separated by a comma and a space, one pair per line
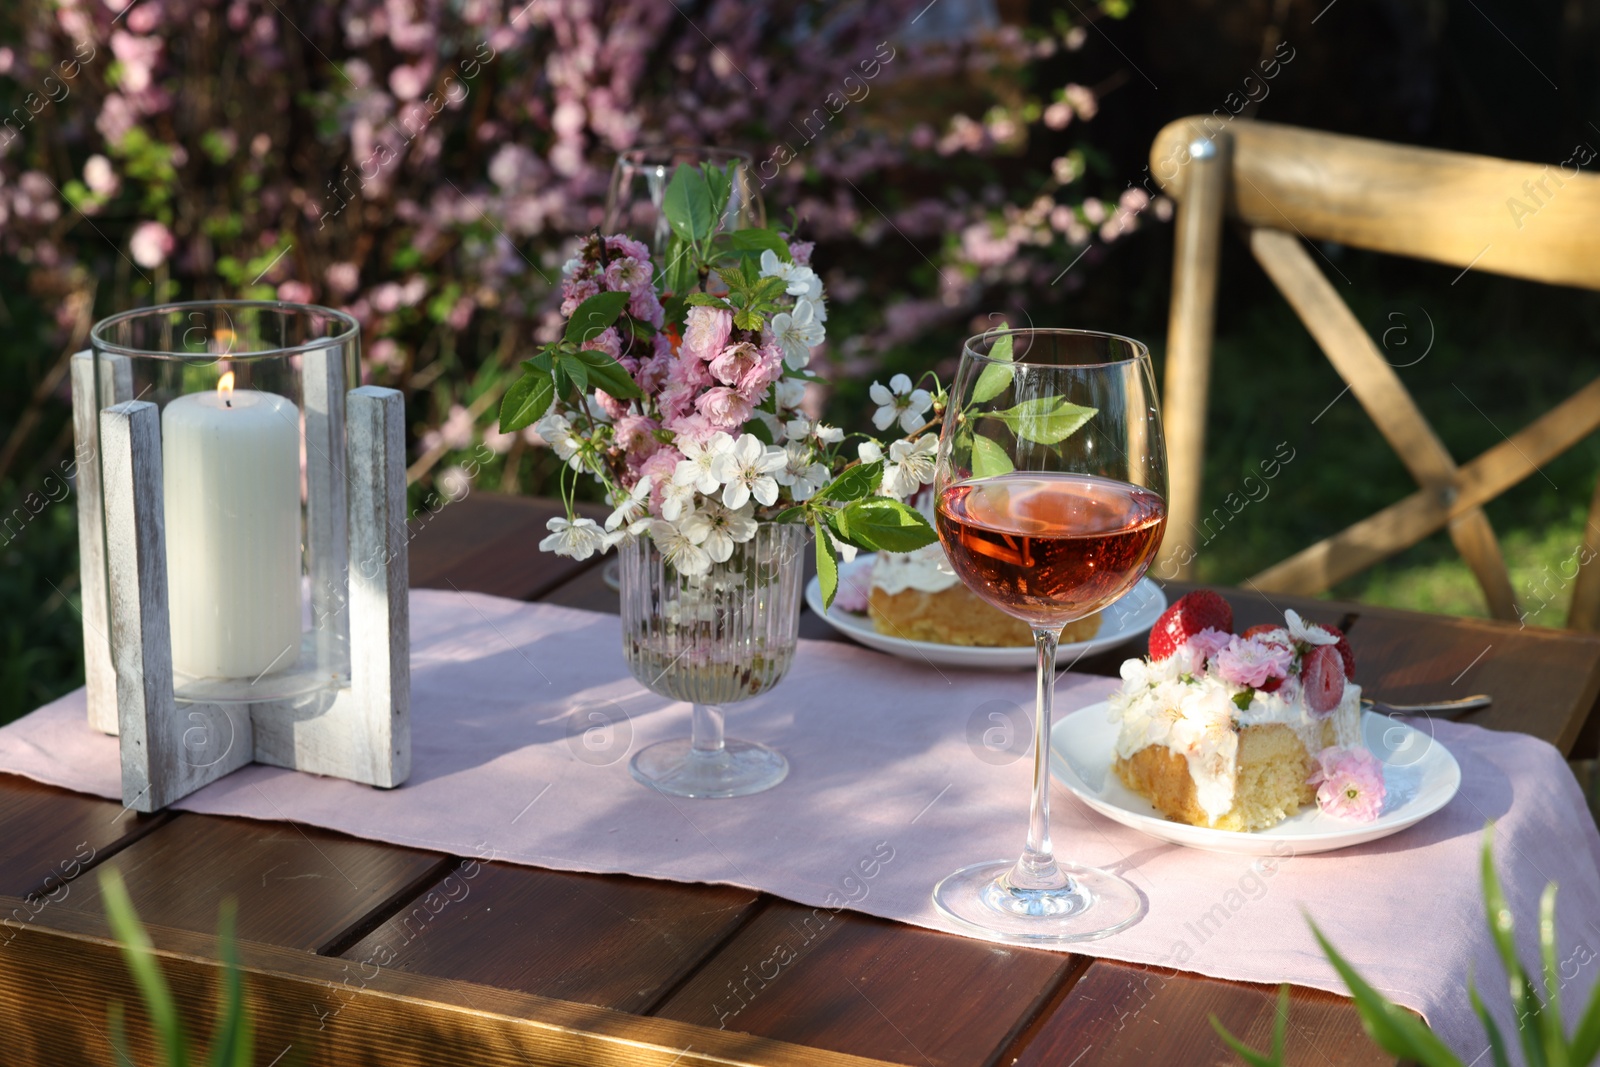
707, 730
1037, 868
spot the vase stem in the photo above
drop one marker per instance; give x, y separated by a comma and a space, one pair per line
707, 729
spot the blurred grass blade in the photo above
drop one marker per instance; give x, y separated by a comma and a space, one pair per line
1391, 1026
1554, 1034
1502, 929
140, 956
1497, 1041
1245, 1052
1585, 1047
121, 1057
231, 1045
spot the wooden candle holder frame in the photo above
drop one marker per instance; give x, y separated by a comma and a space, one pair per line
357, 541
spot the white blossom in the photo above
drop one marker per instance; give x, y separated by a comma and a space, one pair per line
802, 476
789, 393
746, 471
899, 401
630, 506
798, 280
558, 434
911, 465
799, 429
717, 529
869, 451
577, 538
698, 467
684, 555
797, 332
676, 500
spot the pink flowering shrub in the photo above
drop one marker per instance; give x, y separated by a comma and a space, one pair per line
429, 165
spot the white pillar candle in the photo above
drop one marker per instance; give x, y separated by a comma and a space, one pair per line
231, 481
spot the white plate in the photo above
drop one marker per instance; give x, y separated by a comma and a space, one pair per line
1419, 773
1128, 618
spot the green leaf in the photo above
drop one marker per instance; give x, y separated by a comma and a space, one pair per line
1586, 1038
1394, 1028
791, 514
140, 957
759, 241
674, 311
687, 204
989, 460
882, 524
719, 183
574, 367
641, 329
1242, 699
543, 361
680, 274
592, 317
856, 482
1045, 420
759, 430
606, 373
527, 400
994, 378
747, 319
827, 565
706, 300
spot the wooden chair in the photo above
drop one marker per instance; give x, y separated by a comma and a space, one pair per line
1283, 186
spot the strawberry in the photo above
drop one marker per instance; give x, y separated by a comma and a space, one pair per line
1261, 628
1193, 612
1345, 651
1322, 677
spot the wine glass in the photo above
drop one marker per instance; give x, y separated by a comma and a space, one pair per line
639, 182
1050, 502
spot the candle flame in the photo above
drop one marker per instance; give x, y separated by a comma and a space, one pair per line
225, 387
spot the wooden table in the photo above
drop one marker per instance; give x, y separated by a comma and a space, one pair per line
363, 953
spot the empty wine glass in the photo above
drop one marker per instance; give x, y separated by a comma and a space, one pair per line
1050, 502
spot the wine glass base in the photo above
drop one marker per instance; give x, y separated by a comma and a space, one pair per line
741, 768
1093, 905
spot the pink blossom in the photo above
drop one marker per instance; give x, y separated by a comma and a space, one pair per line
660, 465
1204, 646
342, 278
635, 434
1349, 784
644, 306
706, 331
696, 428
609, 404
726, 409
653, 372
767, 369
295, 292
734, 362
676, 400
1250, 661
801, 251
627, 246
607, 341
150, 244
626, 274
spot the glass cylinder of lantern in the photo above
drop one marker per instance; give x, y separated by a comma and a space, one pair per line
253, 495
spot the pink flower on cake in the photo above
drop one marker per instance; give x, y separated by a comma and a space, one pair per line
1248, 661
706, 331
1349, 784
1204, 646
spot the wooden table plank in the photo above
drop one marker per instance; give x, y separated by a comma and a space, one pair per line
1119, 1015
610, 940
49, 836
297, 886
488, 543
309, 1010
853, 983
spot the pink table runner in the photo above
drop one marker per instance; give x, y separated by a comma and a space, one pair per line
513, 757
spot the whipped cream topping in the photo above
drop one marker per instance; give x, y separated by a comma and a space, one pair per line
926, 570
1195, 717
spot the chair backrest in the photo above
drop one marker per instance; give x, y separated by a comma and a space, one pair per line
1285, 186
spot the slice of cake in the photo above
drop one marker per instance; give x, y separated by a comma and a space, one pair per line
917, 596
1238, 732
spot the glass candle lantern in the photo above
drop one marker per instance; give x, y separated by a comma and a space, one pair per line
253, 495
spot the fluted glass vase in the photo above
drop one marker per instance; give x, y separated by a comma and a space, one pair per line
712, 639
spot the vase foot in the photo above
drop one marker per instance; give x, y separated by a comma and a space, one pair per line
739, 769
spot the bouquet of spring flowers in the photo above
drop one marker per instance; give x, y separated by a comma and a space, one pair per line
678, 386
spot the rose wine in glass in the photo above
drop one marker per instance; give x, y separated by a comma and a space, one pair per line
1050, 503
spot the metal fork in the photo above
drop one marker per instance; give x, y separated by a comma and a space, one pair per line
1440, 709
